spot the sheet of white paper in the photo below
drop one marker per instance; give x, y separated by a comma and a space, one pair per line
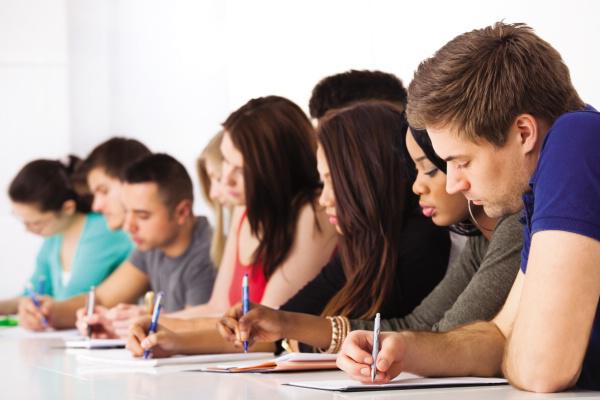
289, 357
20, 333
85, 343
120, 357
398, 383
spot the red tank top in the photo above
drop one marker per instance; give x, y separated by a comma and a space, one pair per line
256, 277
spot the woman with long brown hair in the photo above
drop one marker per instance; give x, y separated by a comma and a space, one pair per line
390, 256
279, 235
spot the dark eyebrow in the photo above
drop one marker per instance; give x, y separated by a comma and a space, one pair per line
452, 158
420, 158
138, 211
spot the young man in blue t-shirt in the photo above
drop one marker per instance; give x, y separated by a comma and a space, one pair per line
501, 110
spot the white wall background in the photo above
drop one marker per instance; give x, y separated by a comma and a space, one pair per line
168, 72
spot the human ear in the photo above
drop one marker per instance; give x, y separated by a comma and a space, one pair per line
69, 207
182, 211
528, 130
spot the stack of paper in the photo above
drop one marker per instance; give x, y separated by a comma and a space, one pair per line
405, 381
288, 362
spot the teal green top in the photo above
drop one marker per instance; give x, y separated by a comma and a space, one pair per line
98, 253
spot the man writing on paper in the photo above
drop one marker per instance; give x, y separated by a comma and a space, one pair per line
500, 108
172, 250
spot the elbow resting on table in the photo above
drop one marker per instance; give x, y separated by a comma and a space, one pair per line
542, 378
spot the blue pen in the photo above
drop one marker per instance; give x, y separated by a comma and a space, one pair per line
245, 303
154, 320
33, 296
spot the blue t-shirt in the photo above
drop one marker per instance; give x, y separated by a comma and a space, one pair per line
565, 196
99, 251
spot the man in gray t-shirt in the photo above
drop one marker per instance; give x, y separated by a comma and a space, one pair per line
187, 279
173, 248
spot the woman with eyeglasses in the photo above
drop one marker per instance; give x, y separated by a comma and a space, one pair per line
79, 249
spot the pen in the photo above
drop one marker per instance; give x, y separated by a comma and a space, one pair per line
33, 296
154, 320
245, 303
90, 308
375, 346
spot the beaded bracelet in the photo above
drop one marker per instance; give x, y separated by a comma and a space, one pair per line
335, 336
340, 326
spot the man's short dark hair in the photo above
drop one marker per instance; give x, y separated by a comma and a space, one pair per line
349, 87
114, 156
171, 177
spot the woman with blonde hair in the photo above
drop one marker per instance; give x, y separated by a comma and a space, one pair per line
209, 167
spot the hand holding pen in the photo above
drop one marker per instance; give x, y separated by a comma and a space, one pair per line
154, 320
33, 296
245, 303
365, 352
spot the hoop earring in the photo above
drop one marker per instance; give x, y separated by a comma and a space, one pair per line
480, 227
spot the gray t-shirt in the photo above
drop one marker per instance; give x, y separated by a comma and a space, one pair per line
186, 280
474, 288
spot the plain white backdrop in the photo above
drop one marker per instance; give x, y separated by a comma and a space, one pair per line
76, 72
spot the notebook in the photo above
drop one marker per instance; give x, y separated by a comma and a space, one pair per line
405, 381
86, 343
287, 362
122, 357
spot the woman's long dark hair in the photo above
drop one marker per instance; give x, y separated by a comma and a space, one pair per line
371, 182
278, 144
47, 184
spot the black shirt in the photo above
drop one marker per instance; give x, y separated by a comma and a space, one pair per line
422, 262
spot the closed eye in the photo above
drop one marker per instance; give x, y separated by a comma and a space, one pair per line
431, 173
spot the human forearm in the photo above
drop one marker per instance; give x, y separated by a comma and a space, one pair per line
200, 311
409, 322
9, 306
473, 350
306, 328
555, 317
190, 324
63, 313
207, 341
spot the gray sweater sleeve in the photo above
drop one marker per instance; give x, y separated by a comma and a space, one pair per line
474, 288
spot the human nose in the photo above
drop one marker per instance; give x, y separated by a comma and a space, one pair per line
98, 203
227, 177
456, 182
129, 223
327, 199
418, 186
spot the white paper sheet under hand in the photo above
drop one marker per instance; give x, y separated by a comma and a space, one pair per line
404, 381
85, 343
122, 357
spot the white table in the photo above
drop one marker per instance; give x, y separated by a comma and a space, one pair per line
41, 369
